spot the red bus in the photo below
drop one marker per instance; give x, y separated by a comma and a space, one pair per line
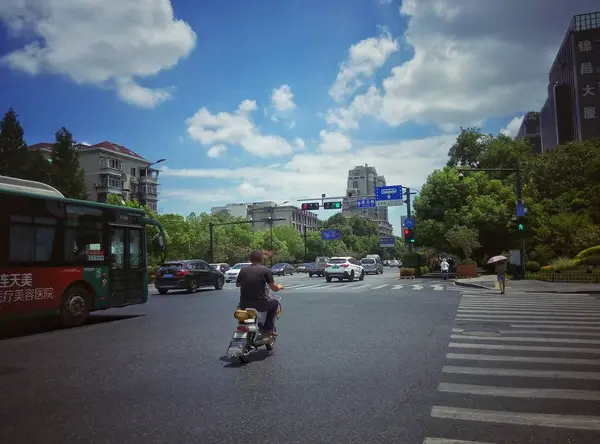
68, 257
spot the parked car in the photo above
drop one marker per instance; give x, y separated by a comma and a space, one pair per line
223, 267
189, 274
321, 262
302, 268
395, 263
371, 265
233, 272
282, 269
343, 268
312, 269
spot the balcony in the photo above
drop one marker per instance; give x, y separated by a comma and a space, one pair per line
110, 166
150, 178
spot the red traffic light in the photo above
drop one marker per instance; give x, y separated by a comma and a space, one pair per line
305, 207
406, 231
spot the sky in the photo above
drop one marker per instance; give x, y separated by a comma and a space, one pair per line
276, 100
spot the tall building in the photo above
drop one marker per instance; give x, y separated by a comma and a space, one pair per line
572, 110
233, 209
114, 169
531, 132
362, 181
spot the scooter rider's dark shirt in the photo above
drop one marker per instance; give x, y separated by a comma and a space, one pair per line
253, 281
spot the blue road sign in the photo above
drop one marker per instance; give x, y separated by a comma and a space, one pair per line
389, 196
520, 210
387, 241
409, 223
331, 234
365, 203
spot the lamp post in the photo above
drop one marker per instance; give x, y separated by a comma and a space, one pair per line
140, 193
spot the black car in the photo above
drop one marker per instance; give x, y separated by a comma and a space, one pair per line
189, 274
282, 269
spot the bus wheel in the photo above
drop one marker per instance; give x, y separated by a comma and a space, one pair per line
75, 307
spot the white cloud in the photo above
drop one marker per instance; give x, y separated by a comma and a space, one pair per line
407, 162
513, 126
236, 129
346, 118
216, 151
472, 59
108, 43
282, 99
299, 143
334, 142
241, 192
364, 58
85, 143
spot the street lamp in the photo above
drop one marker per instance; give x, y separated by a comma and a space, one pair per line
140, 194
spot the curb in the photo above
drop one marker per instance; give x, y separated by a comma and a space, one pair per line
406, 277
469, 284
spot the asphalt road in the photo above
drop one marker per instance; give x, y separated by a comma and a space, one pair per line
378, 361
355, 366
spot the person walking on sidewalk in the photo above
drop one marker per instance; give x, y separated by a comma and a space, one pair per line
501, 275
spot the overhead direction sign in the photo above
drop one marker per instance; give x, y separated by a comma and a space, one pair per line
387, 241
331, 234
365, 203
389, 196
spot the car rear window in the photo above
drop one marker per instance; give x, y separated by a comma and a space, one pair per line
175, 266
337, 261
321, 259
367, 261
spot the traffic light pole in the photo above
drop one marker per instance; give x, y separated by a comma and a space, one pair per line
408, 214
519, 193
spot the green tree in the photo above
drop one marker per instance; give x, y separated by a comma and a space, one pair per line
66, 174
464, 239
13, 149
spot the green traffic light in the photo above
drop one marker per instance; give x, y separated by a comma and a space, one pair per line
412, 241
521, 227
338, 204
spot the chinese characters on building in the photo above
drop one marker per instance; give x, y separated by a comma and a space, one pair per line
18, 287
588, 74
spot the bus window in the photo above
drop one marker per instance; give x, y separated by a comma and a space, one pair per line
135, 247
31, 239
117, 248
84, 244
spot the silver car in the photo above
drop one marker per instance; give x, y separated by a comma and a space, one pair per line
371, 265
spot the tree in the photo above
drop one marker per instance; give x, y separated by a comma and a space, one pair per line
463, 238
13, 149
66, 174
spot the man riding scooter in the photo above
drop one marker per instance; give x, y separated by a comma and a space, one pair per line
252, 282
445, 266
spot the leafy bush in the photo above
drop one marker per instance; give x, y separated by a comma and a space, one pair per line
590, 260
410, 260
547, 269
467, 262
592, 251
532, 266
424, 270
564, 264
407, 271
151, 272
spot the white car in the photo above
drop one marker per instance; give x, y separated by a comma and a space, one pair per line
232, 274
344, 268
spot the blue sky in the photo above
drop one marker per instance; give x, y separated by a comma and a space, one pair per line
242, 98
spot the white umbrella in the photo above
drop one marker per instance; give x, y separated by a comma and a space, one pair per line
497, 259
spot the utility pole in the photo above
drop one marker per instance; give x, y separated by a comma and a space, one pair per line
519, 194
408, 211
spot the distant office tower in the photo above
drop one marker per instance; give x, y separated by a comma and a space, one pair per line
531, 132
572, 109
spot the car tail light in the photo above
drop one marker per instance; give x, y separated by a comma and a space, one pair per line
158, 273
327, 265
345, 265
182, 273
243, 328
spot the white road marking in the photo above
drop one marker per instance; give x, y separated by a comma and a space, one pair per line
525, 373
437, 287
397, 287
512, 392
417, 287
380, 286
539, 359
451, 441
525, 339
524, 347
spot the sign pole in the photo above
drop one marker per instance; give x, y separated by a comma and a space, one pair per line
408, 215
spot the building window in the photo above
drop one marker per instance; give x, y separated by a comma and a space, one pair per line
133, 171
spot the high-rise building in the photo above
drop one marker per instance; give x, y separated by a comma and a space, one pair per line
362, 181
531, 132
572, 109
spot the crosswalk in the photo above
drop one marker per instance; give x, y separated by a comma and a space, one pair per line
361, 286
520, 368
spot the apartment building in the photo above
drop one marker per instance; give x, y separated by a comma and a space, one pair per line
111, 168
292, 216
233, 209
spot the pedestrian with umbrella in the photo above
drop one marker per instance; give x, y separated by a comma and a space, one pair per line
500, 265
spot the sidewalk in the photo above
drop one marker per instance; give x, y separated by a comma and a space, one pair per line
529, 286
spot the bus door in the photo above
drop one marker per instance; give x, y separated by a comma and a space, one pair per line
127, 265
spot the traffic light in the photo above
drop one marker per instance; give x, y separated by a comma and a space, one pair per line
310, 206
332, 205
409, 236
520, 226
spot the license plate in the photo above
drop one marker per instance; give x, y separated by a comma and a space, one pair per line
236, 347
168, 275
240, 335
335, 267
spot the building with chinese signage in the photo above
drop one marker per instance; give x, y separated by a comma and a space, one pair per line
531, 132
572, 109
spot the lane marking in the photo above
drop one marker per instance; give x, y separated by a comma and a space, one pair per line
525, 339
510, 319
540, 312
397, 287
513, 392
380, 286
538, 359
524, 347
451, 441
417, 287
578, 422
438, 287
554, 327
517, 372
537, 332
